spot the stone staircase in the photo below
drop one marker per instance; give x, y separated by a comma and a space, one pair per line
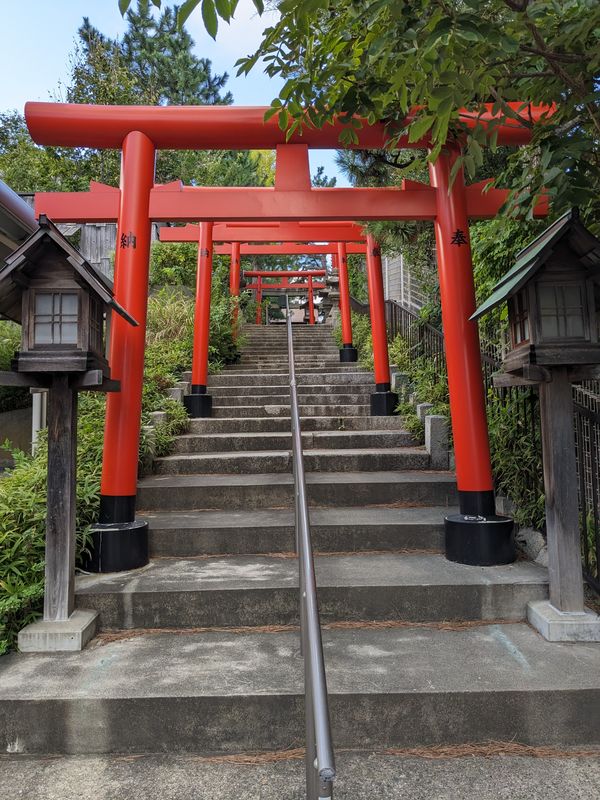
198, 651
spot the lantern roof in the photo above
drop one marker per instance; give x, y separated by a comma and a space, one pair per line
23, 259
17, 221
584, 245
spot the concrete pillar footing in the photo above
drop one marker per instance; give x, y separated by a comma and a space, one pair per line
563, 626
69, 635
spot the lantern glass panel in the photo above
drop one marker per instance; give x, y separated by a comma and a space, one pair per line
56, 318
562, 311
520, 322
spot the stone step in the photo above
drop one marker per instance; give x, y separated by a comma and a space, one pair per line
249, 442
283, 409
332, 529
299, 349
359, 397
234, 693
303, 389
329, 489
271, 461
282, 379
235, 591
180, 776
237, 425
320, 366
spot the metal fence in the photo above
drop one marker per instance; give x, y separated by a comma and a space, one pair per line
425, 341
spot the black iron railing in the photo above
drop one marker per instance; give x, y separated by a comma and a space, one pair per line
425, 341
320, 763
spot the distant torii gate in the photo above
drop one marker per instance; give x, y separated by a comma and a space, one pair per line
284, 282
297, 233
140, 131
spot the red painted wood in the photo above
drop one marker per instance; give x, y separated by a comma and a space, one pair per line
288, 249
291, 273
202, 312
457, 293
381, 361
218, 127
344, 287
258, 300
234, 282
255, 204
127, 343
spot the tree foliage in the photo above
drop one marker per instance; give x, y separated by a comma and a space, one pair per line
415, 63
153, 63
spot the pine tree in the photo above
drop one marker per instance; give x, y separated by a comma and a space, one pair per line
159, 59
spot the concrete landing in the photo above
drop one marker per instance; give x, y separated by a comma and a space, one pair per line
235, 692
361, 776
262, 590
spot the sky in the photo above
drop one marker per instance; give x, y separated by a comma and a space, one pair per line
40, 35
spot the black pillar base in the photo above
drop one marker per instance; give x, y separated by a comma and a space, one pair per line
198, 405
383, 401
348, 353
118, 546
480, 541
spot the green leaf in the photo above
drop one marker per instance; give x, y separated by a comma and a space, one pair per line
185, 11
283, 119
270, 112
259, 6
419, 127
223, 9
209, 15
123, 6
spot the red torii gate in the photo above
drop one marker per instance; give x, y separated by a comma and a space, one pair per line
285, 283
299, 232
139, 131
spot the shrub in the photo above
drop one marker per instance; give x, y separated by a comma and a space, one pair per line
10, 338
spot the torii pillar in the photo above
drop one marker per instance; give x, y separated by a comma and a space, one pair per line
476, 535
348, 352
234, 283
119, 540
199, 402
383, 400
311, 302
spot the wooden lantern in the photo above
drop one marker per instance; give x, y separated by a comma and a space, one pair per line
62, 304
553, 295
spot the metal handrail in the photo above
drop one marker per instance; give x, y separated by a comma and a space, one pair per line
320, 762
